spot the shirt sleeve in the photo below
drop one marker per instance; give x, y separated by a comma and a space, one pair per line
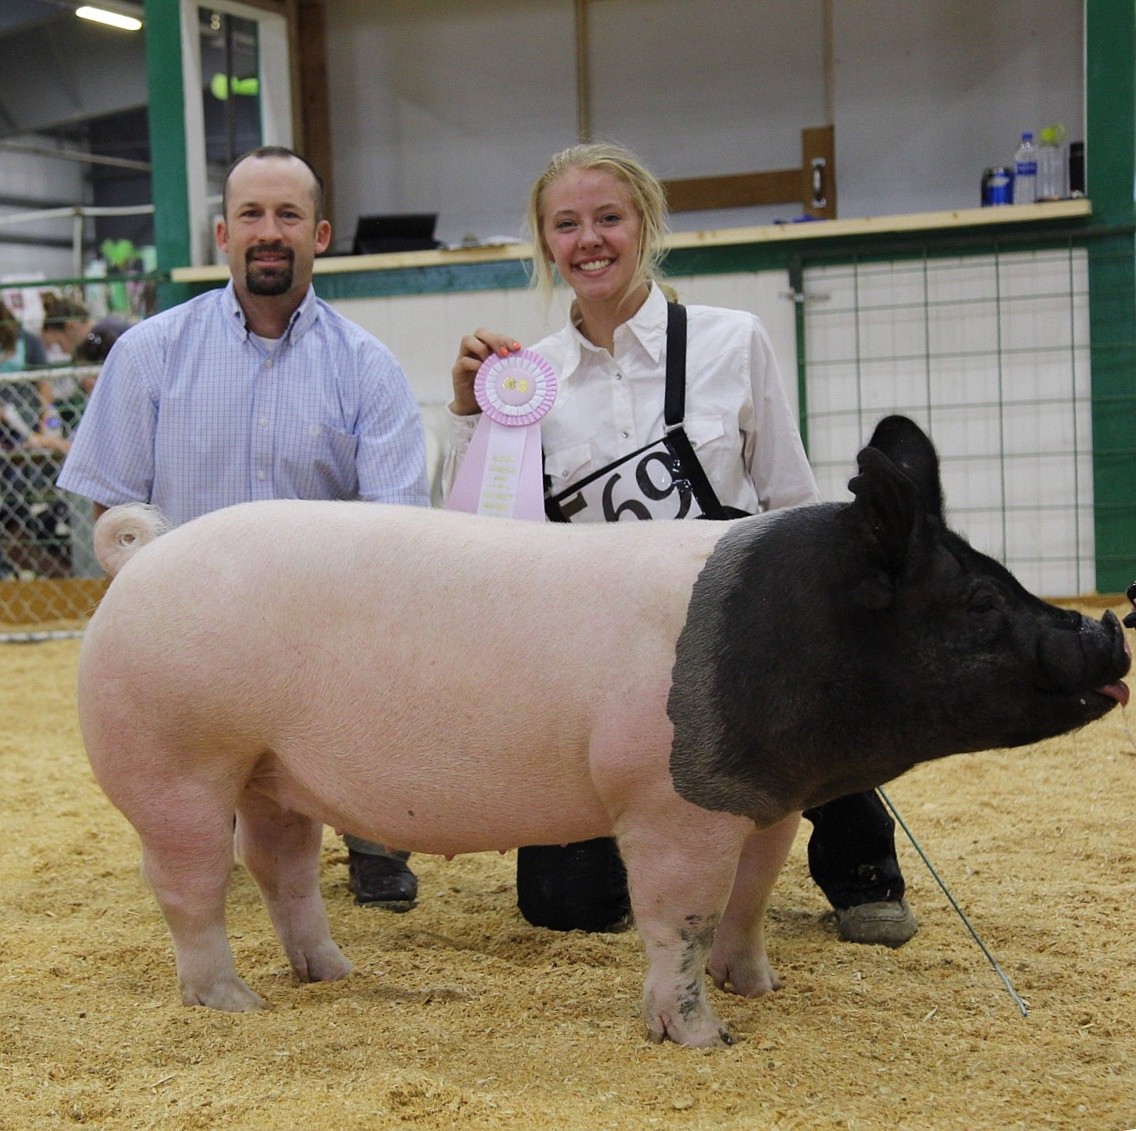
111, 459
34, 353
391, 457
774, 454
461, 432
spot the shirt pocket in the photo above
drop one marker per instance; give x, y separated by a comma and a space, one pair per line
323, 465
705, 432
566, 465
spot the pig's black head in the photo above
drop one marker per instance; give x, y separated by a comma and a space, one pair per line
829, 648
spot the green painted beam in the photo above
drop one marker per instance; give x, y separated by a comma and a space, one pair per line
1110, 156
169, 187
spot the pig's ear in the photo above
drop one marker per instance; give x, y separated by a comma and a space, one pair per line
891, 521
910, 449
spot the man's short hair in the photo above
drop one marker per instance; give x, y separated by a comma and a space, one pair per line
274, 151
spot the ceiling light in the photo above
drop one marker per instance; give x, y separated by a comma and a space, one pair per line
113, 19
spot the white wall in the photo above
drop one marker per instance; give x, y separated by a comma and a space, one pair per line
38, 178
930, 94
454, 108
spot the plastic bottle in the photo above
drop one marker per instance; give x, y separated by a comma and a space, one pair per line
1076, 168
1051, 164
1025, 171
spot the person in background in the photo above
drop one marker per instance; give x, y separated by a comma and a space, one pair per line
31, 526
66, 321
259, 390
19, 350
598, 217
70, 397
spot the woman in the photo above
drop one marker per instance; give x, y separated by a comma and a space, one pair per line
614, 449
66, 322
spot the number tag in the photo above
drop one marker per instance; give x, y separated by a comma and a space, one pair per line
650, 483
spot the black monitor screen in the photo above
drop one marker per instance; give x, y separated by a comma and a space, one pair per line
408, 231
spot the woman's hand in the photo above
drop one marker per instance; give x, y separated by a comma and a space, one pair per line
475, 348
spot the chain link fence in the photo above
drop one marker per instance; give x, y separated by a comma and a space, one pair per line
53, 337
49, 580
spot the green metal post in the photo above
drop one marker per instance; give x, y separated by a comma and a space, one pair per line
169, 187
1110, 157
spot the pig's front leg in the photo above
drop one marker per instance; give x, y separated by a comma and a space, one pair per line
738, 961
281, 850
680, 865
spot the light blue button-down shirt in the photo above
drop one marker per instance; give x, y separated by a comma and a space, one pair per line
191, 413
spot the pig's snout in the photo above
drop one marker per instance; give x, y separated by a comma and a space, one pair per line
1088, 655
1130, 620
1121, 659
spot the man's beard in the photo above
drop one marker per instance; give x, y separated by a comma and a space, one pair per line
268, 280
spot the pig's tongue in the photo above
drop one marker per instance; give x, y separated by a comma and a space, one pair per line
1117, 691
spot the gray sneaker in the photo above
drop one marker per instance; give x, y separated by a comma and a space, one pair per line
885, 924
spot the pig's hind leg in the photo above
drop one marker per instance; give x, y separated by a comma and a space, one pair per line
187, 859
281, 850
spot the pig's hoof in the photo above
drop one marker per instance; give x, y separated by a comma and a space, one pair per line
706, 1032
327, 964
232, 997
746, 977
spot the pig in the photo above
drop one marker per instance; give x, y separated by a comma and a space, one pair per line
452, 683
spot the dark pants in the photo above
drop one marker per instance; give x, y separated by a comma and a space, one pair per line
852, 851
583, 886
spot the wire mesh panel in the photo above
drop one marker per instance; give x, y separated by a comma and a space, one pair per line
48, 576
989, 353
54, 336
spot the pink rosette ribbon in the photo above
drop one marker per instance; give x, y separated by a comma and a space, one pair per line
502, 473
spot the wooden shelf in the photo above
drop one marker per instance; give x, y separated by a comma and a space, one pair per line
766, 233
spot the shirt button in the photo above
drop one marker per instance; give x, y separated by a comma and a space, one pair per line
619, 376
263, 422
625, 434
261, 475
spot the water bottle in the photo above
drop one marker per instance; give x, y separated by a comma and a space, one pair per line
1025, 171
1051, 164
1076, 168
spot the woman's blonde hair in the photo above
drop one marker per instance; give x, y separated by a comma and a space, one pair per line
647, 195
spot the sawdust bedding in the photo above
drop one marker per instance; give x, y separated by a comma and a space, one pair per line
460, 1015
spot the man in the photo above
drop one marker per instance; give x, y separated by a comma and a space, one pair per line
258, 391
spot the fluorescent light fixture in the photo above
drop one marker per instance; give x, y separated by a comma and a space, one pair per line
105, 16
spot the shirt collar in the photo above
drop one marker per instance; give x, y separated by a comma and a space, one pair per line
648, 325
302, 317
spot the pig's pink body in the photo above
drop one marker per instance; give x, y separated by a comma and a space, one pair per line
440, 682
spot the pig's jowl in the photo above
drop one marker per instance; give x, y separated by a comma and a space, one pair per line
455, 684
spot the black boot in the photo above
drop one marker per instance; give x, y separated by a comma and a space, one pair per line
573, 887
852, 859
381, 879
